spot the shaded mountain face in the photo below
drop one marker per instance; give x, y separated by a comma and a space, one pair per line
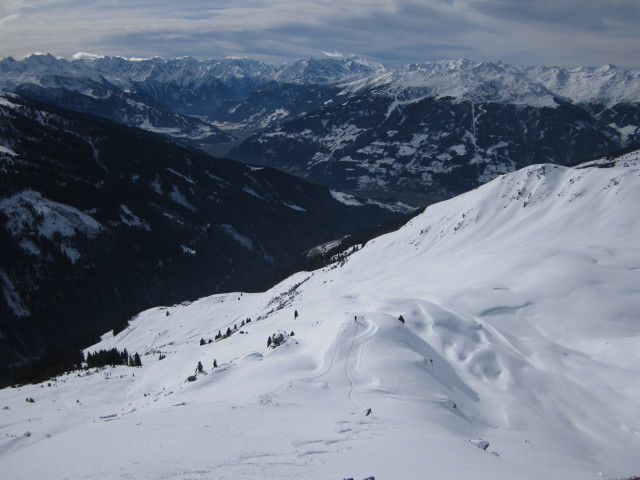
172, 97
435, 146
99, 220
424, 131
134, 109
443, 128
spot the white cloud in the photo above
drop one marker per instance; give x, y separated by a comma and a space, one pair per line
81, 55
563, 32
8, 18
333, 54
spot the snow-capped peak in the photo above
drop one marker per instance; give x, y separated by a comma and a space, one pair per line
500, 82
460, 79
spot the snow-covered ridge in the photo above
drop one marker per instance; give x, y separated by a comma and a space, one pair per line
29, 211
30, 215
500, 82
184, 71
494, 336
460, 79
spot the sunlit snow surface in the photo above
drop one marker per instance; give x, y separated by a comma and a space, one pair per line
521, 302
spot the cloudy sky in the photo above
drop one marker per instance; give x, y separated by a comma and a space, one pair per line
546, 32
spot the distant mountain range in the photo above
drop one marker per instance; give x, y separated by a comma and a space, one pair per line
418, 133
440, 129
426, 131
100, 220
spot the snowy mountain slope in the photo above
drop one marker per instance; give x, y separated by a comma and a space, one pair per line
517, 358
434, 146
184, 85
432, 130
500, 82
197, 87
441, 128
99, 221
164, 95
461, 79
100, 97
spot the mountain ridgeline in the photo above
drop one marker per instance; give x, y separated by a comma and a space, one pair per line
476, 341
420, 132
100, 220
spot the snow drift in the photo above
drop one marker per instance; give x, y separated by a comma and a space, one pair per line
495, 336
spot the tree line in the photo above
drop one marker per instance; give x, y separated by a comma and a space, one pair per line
65, 362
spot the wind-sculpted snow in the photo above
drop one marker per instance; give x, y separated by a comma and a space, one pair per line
495, 336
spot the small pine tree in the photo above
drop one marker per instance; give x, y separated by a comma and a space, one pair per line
269, 342
137, 362
202, 342
228, 331
200, 367
215, 363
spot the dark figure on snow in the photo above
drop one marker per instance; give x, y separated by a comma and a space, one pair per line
368, 412
295, 314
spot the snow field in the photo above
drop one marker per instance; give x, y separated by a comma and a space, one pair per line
521, 310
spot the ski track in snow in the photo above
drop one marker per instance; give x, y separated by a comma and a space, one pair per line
518, 358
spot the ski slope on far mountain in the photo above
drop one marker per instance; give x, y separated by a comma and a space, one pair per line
518, 357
